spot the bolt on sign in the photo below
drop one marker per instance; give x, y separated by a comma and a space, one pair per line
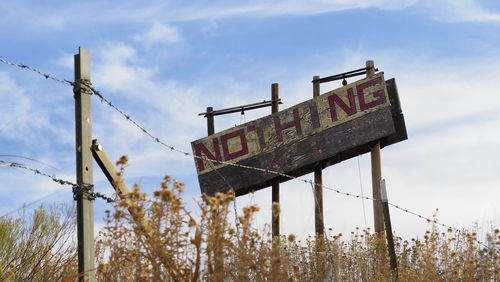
325, 130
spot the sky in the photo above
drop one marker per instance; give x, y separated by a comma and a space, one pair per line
163, 62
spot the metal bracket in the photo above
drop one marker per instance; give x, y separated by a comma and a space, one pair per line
343, 76
241, 109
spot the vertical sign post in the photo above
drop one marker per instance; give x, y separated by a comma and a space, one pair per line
275, 182
376, 170
210, 121
83, 128
318, 180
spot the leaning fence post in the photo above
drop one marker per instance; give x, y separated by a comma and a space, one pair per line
388, 226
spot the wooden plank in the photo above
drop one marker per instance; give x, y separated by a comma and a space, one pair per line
109, 169
293, 140
301, 157
121, 188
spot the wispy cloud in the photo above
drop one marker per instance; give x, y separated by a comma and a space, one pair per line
458, 11
161, 14
159, 33
198, 10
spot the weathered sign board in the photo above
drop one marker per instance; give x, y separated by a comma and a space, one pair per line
328, 129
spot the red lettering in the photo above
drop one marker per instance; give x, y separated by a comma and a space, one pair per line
295, 123
313, 108
379, 94
225, 148
200, 148
335, 99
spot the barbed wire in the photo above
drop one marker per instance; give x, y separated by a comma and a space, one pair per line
78, 190
156, 139
47, 76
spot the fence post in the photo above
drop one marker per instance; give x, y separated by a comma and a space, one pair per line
83, 129
388, 226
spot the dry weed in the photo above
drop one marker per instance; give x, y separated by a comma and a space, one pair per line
178, 246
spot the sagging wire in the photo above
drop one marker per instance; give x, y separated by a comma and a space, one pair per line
78, 190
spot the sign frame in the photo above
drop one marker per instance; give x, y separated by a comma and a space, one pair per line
348, 138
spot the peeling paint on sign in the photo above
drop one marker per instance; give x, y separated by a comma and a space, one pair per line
295, 137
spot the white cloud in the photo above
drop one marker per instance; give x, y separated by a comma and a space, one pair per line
16, 117
211, 28
162, 14
159, 33
118, 68
66, 61
157, 104
458, 11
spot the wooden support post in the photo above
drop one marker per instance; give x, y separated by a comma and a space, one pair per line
388, 226
109, 169
275, 182
83, 128
217, 251
319, 225
210, 121
118, 184
376, 170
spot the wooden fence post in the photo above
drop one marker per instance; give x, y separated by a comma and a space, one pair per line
83, 129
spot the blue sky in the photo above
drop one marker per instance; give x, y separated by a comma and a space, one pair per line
165, 61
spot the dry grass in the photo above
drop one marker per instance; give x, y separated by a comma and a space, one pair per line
157, 239
164, 242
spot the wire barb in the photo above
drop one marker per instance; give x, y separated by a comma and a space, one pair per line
46, 75
78, 190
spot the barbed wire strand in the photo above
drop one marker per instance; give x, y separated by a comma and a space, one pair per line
47, 76
203, 158
77, 189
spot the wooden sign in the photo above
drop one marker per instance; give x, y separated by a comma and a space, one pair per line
335, 126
